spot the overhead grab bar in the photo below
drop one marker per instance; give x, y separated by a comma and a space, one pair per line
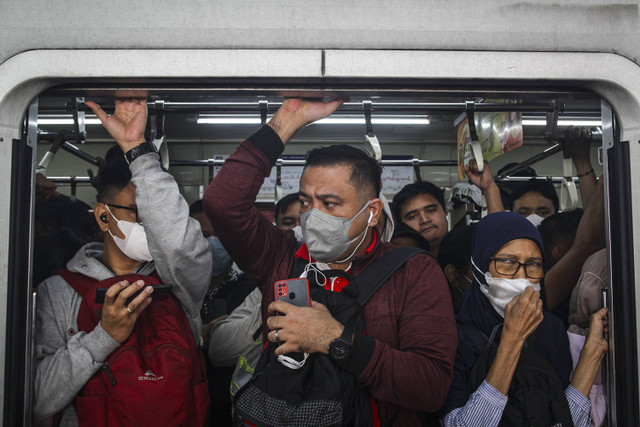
380, 107
372, 143
264, 108
278, 193
301, 162
78, 120
416, 169
476, 148
535, 159
552, 123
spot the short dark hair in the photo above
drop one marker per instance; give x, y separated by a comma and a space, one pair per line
112, 179
559, 228
456, 247
409, 191
284, 203
113, 153
196, 207
542, 186
365, 170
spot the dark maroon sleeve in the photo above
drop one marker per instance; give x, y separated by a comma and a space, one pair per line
254, 243
416, 371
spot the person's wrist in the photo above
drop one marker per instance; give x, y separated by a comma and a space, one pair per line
285, 123
582, 164
126, 146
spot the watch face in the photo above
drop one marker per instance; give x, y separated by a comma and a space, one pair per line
339, 350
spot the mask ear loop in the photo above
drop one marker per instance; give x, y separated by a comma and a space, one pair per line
314, 267
364, 234
475, 268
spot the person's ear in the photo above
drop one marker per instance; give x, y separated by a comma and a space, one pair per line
451, 273
376, 208
558, 252
102, 216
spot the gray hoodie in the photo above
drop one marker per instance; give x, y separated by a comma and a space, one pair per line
67, 358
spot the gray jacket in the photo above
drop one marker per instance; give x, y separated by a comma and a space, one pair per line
67, 358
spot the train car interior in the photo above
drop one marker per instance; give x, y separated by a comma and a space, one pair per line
413, 126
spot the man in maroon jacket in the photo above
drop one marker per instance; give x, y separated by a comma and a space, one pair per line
405, 361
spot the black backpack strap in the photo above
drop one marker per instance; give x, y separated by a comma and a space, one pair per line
369, 281
477, 337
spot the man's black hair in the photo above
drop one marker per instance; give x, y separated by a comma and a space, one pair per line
196, 207
284, 203
112, 179
508, 187
456, 248
55, 249
559, 229
365, 170
542, 186
403, 230
410, 191
113, 153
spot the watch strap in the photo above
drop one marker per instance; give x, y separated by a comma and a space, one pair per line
139, 150
344, 341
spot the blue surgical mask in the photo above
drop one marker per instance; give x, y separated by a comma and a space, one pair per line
221, 258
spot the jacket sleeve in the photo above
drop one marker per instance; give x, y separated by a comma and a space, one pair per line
253, 242
233, 336
180, 252
64, 361
427, 338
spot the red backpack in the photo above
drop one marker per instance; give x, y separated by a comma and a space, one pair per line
157, 377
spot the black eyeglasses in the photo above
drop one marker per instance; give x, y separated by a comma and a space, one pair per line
510, 266
129, 208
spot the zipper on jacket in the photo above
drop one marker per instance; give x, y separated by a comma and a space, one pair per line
107, 371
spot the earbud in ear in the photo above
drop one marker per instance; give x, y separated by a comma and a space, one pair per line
103, 217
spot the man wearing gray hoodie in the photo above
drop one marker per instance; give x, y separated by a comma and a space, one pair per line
174, 248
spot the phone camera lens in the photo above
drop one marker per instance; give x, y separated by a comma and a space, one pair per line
292, 295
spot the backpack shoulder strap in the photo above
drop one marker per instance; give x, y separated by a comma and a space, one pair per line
477, 337
369, 281
78, 281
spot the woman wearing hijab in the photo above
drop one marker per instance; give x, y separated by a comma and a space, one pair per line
503, 306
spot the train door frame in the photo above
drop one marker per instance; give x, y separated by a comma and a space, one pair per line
615, 79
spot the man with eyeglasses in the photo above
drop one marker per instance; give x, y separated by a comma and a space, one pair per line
147, 232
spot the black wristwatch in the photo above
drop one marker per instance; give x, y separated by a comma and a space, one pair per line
139, 150
340, 348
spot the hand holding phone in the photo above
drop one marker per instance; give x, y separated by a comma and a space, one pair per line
159, 292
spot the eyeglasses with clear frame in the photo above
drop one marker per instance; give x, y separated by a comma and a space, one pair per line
129, 208
510, 266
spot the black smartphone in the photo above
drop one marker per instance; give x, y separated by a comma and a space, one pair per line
293, 291
159, 292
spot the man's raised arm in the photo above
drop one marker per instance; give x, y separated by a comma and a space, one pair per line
180, 252
251, 240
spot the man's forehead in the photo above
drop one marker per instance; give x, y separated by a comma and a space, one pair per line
327, 180
420, 201
533, 200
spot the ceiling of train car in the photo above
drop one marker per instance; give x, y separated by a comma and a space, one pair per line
238, 114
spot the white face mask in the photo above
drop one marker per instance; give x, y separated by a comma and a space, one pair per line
501, 290
535, 219
134, 245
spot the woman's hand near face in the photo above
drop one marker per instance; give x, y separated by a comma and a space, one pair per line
522, 316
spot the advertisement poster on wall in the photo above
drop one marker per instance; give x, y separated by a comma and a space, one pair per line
498, 133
